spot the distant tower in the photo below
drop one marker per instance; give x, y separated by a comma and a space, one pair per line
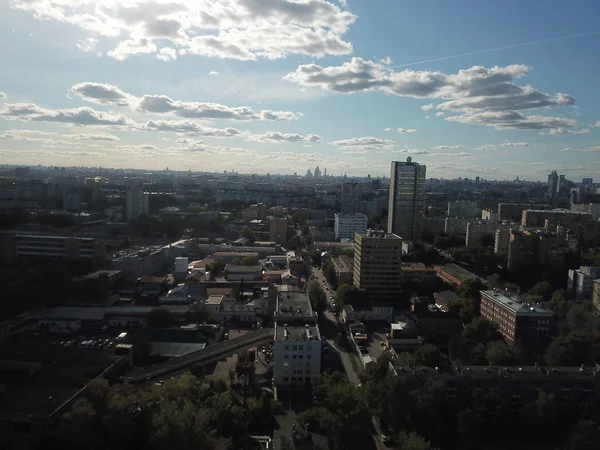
325, 172
317, 172
407, 199
309, 173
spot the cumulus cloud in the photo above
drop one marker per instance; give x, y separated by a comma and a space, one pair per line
238, 29
565, 131
406, 130
449, 147
87, 45
388, 129
452, 155
54, 138
480, 95
213, 73
386, 61
503, 145
189, 128
364, 144
2, 95
107, 94
596, 125
593, 149
73, 116
274, 137
440, 114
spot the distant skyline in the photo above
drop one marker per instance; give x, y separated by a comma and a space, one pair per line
467, 88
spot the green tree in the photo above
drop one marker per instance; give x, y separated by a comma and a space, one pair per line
348, 294
315, 256
470, 426
498, 353
250, 261
200, 313
542, 289
585, 436
160, 317
317, 296
429, 355
329, 272
413, 441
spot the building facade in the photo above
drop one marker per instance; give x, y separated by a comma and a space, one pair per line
136, 203
407, 199
378, 265
346, 225
580, 282
463, 209
477, 230
516, 319
278, 229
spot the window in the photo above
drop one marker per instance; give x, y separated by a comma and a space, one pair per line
286, 347
293, 379
285, 379
293, 356
301, 347
308, 357
294, 347
300, 356
286, 356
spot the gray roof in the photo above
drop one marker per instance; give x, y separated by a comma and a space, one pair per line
70, 313
515, 303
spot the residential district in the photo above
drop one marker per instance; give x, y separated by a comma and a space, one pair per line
172, 309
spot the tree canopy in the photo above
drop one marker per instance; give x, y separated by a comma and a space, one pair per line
160, 317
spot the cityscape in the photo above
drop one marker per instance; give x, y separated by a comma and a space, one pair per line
274, 225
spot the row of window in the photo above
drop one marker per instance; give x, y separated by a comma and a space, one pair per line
296, 357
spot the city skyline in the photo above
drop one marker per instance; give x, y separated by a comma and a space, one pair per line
286, 86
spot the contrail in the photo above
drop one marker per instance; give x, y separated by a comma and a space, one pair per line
506, 47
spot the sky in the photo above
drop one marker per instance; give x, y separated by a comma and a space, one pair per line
496, 89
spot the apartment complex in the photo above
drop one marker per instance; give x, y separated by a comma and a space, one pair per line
515, 318
346, 225
539, 247
462, 209
550, 219
455, 226
297, 346
488, 214
580, 283
477, 230
407, 199
502, 236
32, 246
378, 264
596, 294
137, 203
514, 211
352, 194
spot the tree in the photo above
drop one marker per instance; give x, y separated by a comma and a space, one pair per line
200, 313
470, 425
317, 296
248, 234
413, 441
585, 436
315, 256
250, 261
160, 317
348, 294
542, 289
498, 353
429, 355
329, 272
471, 289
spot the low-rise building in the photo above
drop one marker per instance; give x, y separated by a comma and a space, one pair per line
445, 299
453, 274
489, 215
343, 269
417, 273
516, 319
596, 294
246, 273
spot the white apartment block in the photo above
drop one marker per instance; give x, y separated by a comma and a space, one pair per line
297, 347
477, 230
502, 237
489, 215
347, 224
455, 226
580, 283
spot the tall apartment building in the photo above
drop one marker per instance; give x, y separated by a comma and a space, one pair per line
29, 246
515, 318
297, 346
278, 229
502, 237
463, 209
136, 203
407, 199
352, 194
580, 283
346, 225
256, 211
477, 230
455, 226
378, 264
540, 247
550, 219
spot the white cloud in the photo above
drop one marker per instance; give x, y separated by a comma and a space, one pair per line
189, 128
449, 147
107, 94
365, 144
2, 95
87, 45
596, 125
482, 96
386, 61
406, 130
440, 114
514, 120
167, 54
412, 151
72, 116
239, 29
565, 131
54, 138
503, 145
451, 155
213, 73
274, 137
388, 129
593, 149
428, 107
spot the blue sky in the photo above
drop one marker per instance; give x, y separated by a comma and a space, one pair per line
496, 89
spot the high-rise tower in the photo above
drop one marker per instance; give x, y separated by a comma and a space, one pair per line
407, 199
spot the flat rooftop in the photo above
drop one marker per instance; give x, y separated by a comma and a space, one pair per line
296, 303
285, 332
515, 303
457, 271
